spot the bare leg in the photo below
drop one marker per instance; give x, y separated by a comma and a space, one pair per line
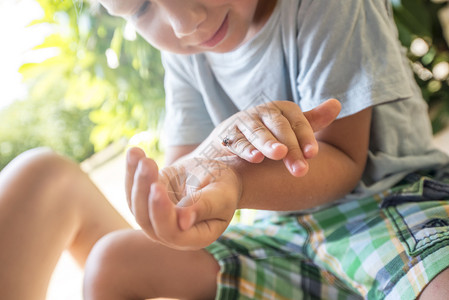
47, 204
438, 288
128, 265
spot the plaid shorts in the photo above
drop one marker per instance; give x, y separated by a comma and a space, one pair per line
388, 246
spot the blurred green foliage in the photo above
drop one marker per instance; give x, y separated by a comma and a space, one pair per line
45, 121
421, 32
105, 83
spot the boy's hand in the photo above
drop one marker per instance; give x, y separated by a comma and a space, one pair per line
277, 130
185, 206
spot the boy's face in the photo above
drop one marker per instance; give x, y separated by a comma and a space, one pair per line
192, 26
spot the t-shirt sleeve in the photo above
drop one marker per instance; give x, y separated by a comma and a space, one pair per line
187, 121
349, 50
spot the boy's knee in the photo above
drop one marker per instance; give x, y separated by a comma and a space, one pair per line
37, 164
438, 288
38, 179
31, 157
38, 172
104, 266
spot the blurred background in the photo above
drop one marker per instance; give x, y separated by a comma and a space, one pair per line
74, 78
77, 80
85, 84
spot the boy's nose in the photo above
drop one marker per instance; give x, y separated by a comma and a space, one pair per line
185, 16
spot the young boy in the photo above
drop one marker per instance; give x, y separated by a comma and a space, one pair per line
352, 219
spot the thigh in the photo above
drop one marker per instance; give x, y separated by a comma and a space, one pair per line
267, 261
389, 246
47, 204
128, 265
438, 288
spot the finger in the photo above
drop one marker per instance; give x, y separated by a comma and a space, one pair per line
304, 146
261, 137
318, 118
323, 115
168, 228
238, 144
281, 127
188, 227
163, 216
198, 233
303, 130
132, 159
146, 174
206, 208
304, 125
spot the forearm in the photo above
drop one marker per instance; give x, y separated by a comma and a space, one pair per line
331, 174
274, 130
268, 185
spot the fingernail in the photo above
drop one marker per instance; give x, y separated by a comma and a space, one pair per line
192, 219
298, 166
185, 225
275, 145
308, 148
142, 169
254, 152
132, 159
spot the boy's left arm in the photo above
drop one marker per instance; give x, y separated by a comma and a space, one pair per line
333, 173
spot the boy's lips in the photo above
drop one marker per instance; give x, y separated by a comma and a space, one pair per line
218, 35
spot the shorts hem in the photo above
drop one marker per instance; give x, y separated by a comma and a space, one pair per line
228, 277
419, 276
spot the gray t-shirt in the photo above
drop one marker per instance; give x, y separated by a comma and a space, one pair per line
307, 52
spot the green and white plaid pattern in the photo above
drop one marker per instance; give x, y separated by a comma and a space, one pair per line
350, 251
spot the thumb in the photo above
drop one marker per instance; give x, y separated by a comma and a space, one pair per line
203, 209
323, 115
187, 209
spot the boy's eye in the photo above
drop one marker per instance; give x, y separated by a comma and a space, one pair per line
142, 9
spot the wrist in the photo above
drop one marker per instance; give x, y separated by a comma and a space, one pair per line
211, 148
233, 165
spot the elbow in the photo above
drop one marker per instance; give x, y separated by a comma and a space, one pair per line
357, 168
